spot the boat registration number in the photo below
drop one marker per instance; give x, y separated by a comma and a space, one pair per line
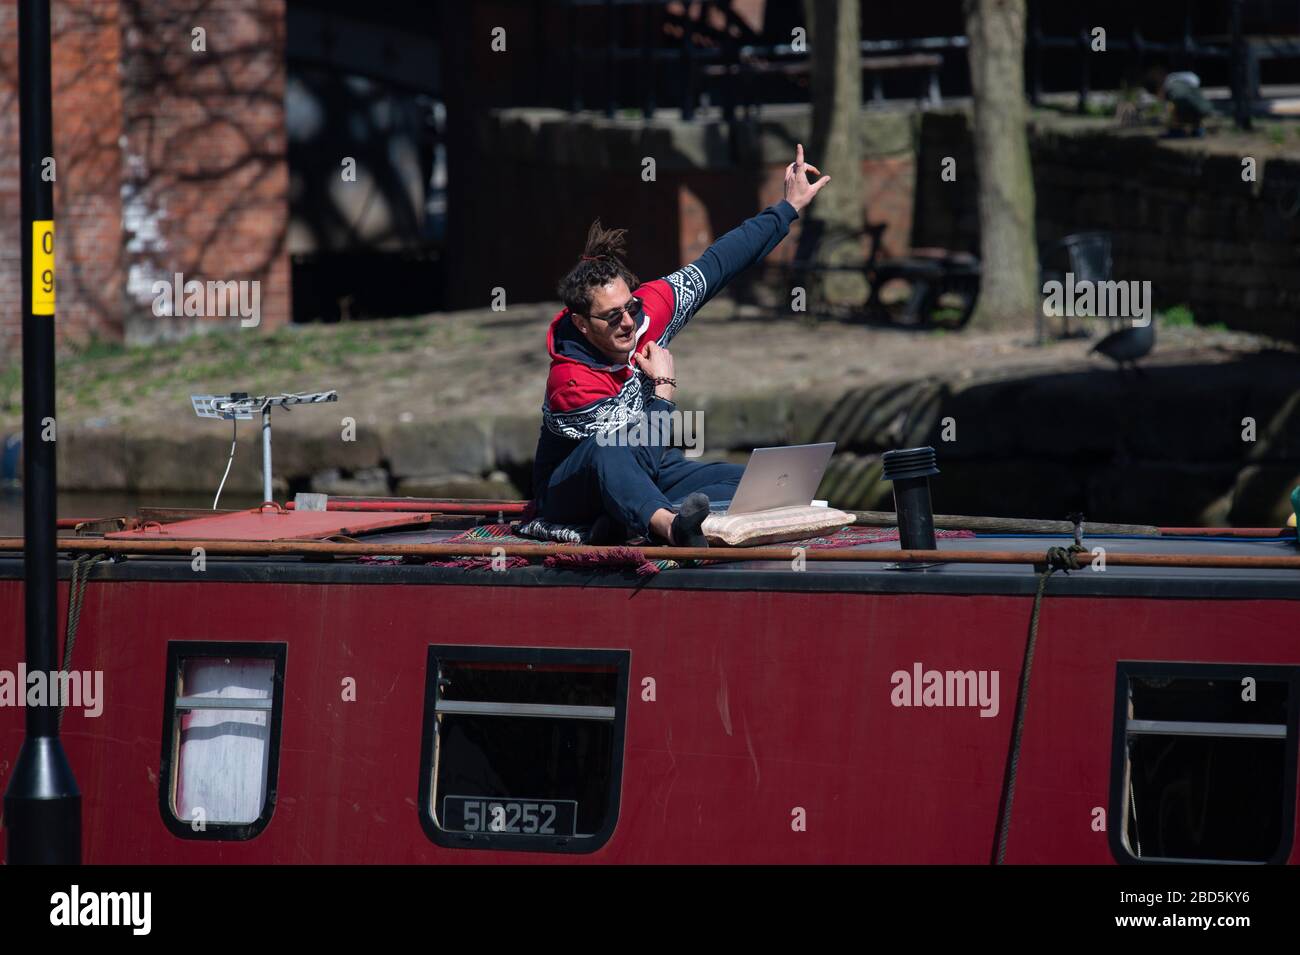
527, 817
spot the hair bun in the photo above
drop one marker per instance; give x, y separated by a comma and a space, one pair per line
602, 242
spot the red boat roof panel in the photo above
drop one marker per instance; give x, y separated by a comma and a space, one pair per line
271, 525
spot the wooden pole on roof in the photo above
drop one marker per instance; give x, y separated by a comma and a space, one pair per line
773, 552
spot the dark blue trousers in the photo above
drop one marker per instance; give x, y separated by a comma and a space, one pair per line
630, 483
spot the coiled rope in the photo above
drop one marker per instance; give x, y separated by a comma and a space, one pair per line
81, 568
1058, 558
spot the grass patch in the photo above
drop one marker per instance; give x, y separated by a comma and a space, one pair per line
1180, 316
11, 387
102, 377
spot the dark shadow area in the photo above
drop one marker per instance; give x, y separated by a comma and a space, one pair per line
367, 169
1170, 446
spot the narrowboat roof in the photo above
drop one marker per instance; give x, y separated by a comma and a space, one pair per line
765, 575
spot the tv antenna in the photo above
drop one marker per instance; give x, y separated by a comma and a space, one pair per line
240, 404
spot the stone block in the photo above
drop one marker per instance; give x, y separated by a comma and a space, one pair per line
1261, 496
369, 482
194, 461
1008, 487
1277, 425
514, 439
853, 482
743, 422
1173, 493
1186, 412
444, 446
298, 451
458, 486
91, 458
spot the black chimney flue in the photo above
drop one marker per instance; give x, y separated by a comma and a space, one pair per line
910, 471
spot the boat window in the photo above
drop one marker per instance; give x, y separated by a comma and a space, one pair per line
221, 738
1205, 763
523, 748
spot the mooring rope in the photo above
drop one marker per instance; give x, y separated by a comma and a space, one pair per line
1058, 558
81, 568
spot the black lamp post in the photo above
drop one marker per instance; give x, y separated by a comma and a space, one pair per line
42, 803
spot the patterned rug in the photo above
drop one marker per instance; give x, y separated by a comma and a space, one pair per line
631, 556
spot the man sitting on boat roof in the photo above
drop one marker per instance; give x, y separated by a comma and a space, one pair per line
610, 367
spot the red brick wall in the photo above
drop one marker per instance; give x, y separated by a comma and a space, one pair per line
887, 186
205, 154
87, 124
11, 296
168, 160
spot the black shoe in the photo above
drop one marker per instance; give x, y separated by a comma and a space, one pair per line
602, 531
687, 525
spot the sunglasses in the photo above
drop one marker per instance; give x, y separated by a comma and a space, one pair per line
634, 308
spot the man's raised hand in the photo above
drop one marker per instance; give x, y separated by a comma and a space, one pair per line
798, 190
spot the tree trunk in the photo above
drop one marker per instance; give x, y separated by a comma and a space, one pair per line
834, 32
1009, 296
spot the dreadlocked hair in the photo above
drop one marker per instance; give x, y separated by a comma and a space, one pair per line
600, 264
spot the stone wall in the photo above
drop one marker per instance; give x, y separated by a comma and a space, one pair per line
1196, 443
551, 173
1169, 447
1179, 212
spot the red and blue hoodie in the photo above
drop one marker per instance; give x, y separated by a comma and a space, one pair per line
586, 395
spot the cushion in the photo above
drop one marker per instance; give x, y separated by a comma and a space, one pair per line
774, 525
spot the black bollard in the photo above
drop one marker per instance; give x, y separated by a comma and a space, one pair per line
910, 471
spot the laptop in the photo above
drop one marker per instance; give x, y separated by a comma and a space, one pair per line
778, 477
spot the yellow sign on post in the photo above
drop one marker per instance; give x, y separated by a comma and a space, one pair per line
43, 267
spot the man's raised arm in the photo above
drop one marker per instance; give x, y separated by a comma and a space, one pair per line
745, 245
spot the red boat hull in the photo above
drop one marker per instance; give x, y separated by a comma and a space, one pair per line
765, 703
